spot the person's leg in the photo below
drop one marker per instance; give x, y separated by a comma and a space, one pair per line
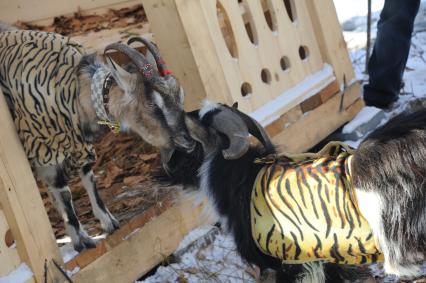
390, 52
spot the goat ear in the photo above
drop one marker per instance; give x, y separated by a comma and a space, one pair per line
197, 131
256, 130
126, 80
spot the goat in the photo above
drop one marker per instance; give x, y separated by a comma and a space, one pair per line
61, 101
388, 178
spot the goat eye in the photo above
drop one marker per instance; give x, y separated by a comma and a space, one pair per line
149, 104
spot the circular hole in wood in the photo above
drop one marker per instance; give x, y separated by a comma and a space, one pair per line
270, 16
277, 77
246, 89
266, 76
226, 28
303, 52
8, 238
285, 63
248, 22
291, 9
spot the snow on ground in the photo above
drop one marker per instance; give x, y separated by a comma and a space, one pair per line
219, 261
21, 274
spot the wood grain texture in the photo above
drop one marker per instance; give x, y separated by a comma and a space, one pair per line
21, 201
317, 124
144, 248
44, 11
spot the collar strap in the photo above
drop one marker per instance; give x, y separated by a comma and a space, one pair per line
100, 87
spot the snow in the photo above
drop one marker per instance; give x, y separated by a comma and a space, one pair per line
366, 114
21, 274
219, 261
68, 252
310, 86
194, 235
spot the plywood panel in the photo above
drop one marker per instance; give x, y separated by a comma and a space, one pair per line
21, 201
9, 258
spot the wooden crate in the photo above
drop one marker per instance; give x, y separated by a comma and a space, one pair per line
280, 60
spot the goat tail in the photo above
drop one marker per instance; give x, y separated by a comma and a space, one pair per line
6, 27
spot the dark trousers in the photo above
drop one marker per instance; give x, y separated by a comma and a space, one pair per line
390, 52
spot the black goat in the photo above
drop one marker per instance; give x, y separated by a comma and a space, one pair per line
224, 167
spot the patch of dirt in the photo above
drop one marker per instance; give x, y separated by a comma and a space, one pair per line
124, 169
80, 23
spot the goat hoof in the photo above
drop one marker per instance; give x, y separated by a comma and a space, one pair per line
85, 242
111, 225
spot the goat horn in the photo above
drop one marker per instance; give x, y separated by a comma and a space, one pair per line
161, 65
147, 70
230, 124
255, 129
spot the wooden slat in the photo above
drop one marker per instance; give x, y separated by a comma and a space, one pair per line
97, 41
88, 256
296, 113
46, 10
320, 122
176, 49
330, 38
21, 201
199, 53
145, 248
9, 258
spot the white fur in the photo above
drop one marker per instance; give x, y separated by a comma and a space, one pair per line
207, 106
60, 206
181, 95
105, 218
198, 197
204, 174
158, 100
314, 273
370, 205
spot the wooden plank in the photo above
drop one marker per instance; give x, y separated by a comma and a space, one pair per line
88, 256
330, 38
319, 123
321, 97
329, 91
45, 10
145, 248
9, 258
295, 114
176, 48
97, 41
21, 201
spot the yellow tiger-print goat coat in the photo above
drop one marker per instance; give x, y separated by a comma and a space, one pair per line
304, 209
38, 78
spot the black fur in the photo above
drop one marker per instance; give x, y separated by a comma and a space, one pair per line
392, 163
230, 187
88, 65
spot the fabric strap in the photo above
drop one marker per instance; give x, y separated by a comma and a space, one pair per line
97, 94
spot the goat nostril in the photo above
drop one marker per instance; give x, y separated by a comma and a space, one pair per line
191, 147
184, 143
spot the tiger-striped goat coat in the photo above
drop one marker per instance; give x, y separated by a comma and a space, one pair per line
38, 78
305, 209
